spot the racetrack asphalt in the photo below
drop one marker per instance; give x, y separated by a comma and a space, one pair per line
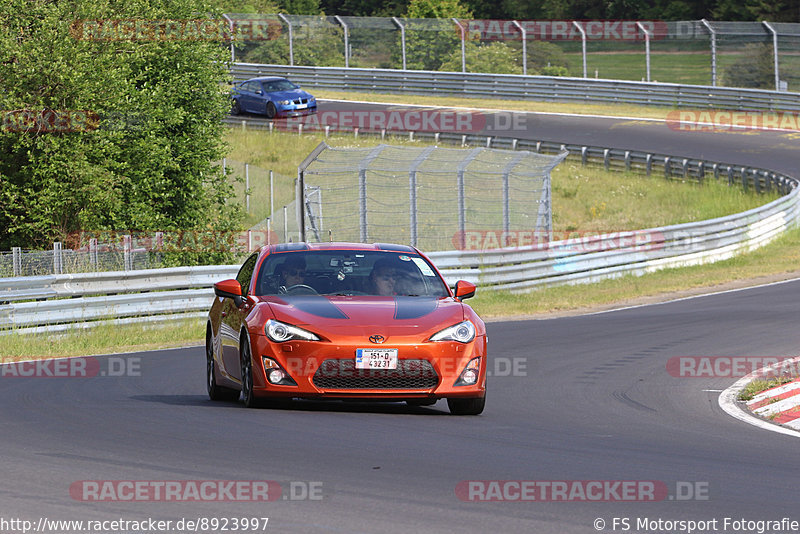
580, 398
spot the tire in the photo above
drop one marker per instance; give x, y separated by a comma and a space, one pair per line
466, 406
249, 399
215, 392
271, 111
236, 108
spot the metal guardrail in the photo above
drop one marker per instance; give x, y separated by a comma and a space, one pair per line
513, 86
185, 292
61, 302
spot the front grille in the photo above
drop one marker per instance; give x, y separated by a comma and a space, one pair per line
342, 374
300, 101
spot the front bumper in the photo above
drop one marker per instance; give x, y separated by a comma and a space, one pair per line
321, 369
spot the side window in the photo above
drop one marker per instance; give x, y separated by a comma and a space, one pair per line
246, 273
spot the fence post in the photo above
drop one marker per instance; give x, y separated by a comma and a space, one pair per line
402, 39
57, 258
247, 187
16, 253
93, 253
713, 51
127, 252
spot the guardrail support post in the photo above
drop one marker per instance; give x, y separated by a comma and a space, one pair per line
627, 160
667, 165
584, 154
606, 162
16, 253
701, 171
685, 167
744, 178
648, 164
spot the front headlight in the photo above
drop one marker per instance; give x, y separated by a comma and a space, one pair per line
280, 332
284, 102
463, 332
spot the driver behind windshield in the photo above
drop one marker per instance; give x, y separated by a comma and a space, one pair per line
292, 272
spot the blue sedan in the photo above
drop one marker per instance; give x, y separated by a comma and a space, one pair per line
273, 97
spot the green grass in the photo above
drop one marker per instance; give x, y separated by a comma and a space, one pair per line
757, 386
105, 338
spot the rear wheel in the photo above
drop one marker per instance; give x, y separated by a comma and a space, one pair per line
271, 110
215, 392
466, 406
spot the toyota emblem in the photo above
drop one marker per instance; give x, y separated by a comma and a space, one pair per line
377, 338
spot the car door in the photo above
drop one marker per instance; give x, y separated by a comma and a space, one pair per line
233, 318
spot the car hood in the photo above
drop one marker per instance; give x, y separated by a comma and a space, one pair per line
355, 315
289, 95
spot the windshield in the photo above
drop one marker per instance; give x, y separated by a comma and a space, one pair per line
347, 272
279, 85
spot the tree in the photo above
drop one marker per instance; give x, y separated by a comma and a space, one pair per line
429, 43
497, 58
754, 68
133, 126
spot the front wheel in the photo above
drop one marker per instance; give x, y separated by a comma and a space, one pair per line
466, 406
248, 397
215, 392
236, 108
271, 110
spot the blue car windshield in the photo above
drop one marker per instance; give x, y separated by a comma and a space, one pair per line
349, 272
279, 85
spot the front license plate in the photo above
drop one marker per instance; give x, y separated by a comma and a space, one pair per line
376, 358
301, 106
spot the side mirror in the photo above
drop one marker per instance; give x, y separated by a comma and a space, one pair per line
464, 289
229, 289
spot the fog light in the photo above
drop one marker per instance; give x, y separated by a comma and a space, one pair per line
470, 376
276, 375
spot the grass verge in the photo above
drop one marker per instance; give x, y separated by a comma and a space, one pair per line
102, 339
757, 386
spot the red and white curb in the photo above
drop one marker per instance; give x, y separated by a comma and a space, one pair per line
783, 402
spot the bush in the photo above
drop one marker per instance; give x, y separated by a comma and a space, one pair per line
754, 69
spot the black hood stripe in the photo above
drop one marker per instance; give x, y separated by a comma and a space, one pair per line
414, 307
316, 305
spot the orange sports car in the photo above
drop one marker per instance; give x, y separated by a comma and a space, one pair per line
345, 321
